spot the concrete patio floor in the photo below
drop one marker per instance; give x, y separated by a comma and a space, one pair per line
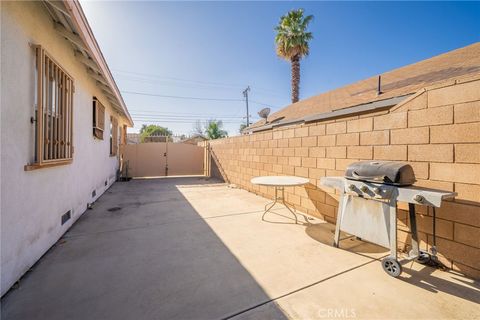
187, 248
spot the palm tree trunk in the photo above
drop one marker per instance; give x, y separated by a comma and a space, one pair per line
295, 78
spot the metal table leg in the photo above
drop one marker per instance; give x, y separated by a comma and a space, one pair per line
282, 199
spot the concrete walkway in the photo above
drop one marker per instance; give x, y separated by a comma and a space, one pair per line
186, 248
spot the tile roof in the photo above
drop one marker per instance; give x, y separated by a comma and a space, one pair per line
402, 81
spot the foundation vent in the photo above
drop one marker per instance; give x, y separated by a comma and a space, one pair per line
66, 216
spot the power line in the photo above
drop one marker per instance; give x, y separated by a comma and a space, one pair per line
176, 79
193, 98
179, 97
137, 76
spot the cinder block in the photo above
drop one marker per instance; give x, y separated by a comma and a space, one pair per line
467, 235
348, 139
288, 152
309, 162
375, 138
318, 152
282, 160
272, 143
336, 152
294, 142
441, 185
468, 192
360, 152
277, 134
293, 199
467, 112
316, 195
459, 212
444, 228
278, 152
325, 163
397, 152
295, 161
325, 209
417, 103
466, 270
420, 169
316, 173
289, 133
301, 132
342, 164
455, 172
309, 141
326, 140
283, 143
360, 125
396, 120
430, 116
469, 153
431, 152
307, 203
317, 130
460, 93
301, 172
410, 136
289, 170
336, 127
455, 133
277, 168
301, 152
458, 252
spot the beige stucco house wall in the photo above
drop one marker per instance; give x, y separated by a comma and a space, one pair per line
32, 202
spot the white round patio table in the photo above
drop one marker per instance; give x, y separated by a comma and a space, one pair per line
280, 183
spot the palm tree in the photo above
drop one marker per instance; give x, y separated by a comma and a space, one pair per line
292, 43
213, 130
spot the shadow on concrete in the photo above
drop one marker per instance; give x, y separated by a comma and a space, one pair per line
423, 278
143, 252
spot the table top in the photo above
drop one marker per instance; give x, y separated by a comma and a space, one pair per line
280, 181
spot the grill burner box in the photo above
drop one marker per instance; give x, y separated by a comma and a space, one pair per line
367, 208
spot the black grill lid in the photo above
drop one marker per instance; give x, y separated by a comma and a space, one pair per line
388, 172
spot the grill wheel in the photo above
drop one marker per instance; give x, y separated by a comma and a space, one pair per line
392, 267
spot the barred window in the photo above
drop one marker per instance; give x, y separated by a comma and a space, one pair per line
113, 136
53, 112
98, 119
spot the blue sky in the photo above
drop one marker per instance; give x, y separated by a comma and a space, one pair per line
213, 50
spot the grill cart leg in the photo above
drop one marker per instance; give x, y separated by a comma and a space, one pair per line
390, 264
421, 256
341, 208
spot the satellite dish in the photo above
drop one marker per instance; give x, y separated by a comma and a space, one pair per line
264, 113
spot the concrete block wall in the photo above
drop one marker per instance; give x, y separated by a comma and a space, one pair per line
437, 131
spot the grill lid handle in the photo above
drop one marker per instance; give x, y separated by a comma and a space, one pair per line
377, 178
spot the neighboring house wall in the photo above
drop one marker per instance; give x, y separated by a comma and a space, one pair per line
437, 131
32, 202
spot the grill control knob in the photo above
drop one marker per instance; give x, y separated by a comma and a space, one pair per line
364, 188
419, 198
377, 190
351, 187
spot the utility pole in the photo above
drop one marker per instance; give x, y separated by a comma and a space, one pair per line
245, 94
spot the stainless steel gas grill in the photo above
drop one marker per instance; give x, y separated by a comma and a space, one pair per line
367, 209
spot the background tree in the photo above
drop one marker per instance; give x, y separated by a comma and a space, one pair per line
242, 126
153, 130
213, 130
198, 129
292, 43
